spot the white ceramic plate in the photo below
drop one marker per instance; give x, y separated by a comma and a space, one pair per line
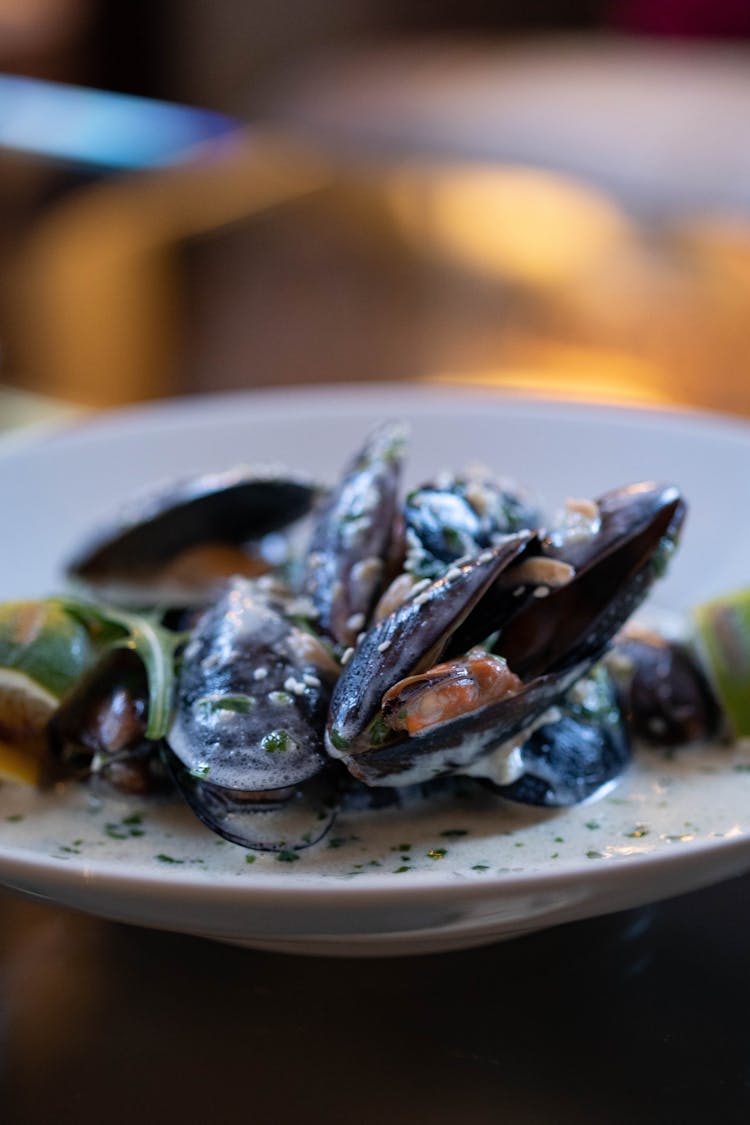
444, 875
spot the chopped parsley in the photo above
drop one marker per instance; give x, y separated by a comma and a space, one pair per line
286, 856
275, 740
240, 704
338, 741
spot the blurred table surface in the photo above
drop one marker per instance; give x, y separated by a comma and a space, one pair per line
636, 1017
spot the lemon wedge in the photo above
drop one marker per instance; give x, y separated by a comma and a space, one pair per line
25, 709
43, 652
723, 638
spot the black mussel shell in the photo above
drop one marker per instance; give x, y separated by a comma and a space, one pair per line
615, 569
451, 746
459, 518
233, 507
571, 758
355, 536
289, 819
104, 715
411, 639
137, 772
665, 695
251, 703
549, 642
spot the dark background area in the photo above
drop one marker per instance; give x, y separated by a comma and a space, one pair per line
213, 53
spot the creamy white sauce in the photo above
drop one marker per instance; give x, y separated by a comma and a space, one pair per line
502, 766
663, 802
578, 522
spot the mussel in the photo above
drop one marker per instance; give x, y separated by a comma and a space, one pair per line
665, 693
247, 735
347, 564
579, 748
99, 729
177, 545
457, 516
543, 638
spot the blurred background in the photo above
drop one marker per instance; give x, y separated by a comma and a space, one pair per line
214, 194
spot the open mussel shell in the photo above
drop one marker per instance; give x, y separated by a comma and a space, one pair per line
579, 751
455, 745
615, 567
411, 639
145, 555
288, 819
549, 642
352, 545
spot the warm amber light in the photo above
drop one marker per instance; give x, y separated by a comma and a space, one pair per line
534, 226
590, 375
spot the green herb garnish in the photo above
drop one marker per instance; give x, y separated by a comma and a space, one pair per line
274, 740
338, 741
287, 856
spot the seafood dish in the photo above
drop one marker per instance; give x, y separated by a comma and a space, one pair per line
275, 650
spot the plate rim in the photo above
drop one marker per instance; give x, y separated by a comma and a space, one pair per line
343, 397
420, 884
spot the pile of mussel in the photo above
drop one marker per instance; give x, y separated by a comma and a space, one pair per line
343, 647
